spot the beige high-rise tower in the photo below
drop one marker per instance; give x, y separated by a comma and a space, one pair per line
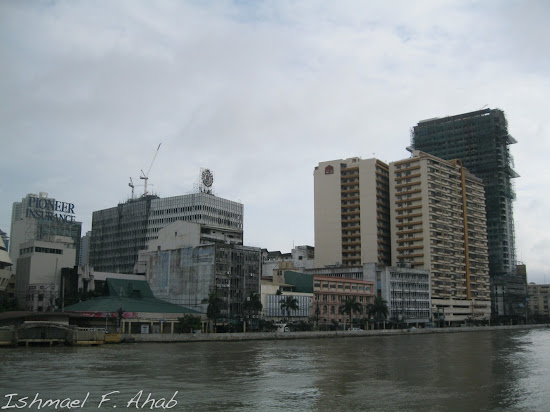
351, 212
438, 223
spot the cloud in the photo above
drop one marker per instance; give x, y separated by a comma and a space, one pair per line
260, 92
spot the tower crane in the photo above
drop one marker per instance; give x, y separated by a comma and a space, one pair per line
131, 184
145, 176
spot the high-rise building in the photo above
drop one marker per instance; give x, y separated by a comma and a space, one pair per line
438, 223
120, 232
39, 217
481, 141
84, 251
351, 212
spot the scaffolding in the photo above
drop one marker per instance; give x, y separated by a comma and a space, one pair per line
480, 140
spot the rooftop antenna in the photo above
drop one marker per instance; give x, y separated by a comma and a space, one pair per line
131, 184
145, 176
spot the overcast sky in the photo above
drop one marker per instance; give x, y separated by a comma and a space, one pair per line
260, 93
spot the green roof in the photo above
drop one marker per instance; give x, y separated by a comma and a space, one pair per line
131, 296
303, 283
113, 303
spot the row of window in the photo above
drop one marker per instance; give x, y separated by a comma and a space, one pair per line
40, 250
366, 288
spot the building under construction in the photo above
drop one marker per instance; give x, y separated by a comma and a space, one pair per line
480, 140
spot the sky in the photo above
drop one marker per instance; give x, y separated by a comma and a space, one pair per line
260, 92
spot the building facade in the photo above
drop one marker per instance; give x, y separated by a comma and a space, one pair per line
39, 217
300, 258
285, 283
119, 233
5, 267
84, 251
407, 292
39, 272
330, 293
183, 271
438, 223
539, 295
351, 212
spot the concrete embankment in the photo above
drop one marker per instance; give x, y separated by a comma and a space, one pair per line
225, 337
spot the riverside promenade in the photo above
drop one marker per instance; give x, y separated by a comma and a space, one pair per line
225, 337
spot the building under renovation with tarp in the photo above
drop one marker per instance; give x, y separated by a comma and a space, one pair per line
182, 269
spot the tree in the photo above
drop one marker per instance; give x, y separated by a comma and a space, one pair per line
214, 309
251, 307
188, 323
7, 304
289, 303
253, 304
378, 309
349, 307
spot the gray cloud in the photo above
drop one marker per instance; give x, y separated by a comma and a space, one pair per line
260, 93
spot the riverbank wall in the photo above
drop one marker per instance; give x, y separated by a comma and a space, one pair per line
228, 337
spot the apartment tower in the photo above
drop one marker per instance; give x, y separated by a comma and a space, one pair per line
351, 212
438, 223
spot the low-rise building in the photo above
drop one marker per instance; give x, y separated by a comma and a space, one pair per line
539, 295
129, 306
276, 289
299, 259
407, 292
330, 293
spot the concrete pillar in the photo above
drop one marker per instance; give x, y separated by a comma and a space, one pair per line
172, 327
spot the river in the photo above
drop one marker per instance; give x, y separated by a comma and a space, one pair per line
501, 370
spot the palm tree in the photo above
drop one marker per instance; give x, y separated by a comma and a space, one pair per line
289, 303
215, 303
378, 308
253, 303
350, 306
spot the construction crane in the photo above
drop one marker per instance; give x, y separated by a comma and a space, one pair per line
131, 184
145, 176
